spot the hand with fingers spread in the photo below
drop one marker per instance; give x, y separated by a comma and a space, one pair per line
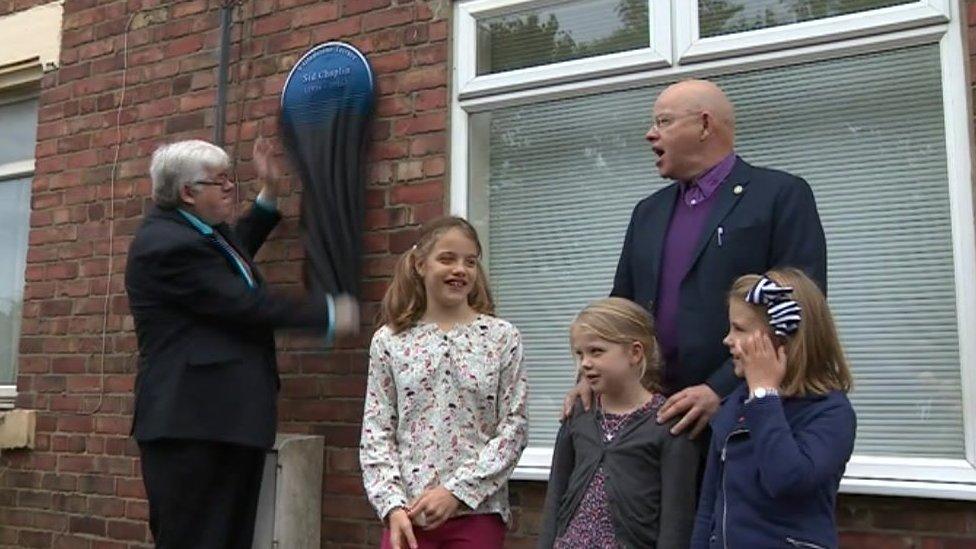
763, 363
696, 405
401, 529
268, 168
582, 391
434, 507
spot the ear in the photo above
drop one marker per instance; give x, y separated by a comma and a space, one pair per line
418, 266
706, 126
636, 352
186, 195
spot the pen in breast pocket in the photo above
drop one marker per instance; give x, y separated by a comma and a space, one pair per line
720, 231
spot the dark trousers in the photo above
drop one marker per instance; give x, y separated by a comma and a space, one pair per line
202, 494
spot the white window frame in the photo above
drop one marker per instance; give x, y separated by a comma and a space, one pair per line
941, 22
691, 47
657, 55
14, 170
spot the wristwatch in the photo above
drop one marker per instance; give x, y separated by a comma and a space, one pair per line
763, 392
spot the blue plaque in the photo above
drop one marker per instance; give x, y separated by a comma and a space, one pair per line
326, 109
330, 77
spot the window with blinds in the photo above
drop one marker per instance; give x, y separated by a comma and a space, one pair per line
561, 178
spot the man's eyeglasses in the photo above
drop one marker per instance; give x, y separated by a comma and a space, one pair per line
663, 121
222, 182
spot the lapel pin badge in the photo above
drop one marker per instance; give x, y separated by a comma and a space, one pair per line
737, 190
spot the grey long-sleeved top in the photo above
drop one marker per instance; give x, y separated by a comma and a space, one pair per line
651, 480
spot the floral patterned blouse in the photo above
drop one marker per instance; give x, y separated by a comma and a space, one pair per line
444, 408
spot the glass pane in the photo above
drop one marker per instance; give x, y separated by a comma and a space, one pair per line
717, 17
561, 32
561, 178
18, 131
14, 225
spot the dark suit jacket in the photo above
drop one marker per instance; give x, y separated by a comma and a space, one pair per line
772, 222
206, 339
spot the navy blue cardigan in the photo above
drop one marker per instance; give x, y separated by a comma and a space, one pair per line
773, 470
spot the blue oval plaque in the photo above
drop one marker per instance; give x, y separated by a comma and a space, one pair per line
330, 77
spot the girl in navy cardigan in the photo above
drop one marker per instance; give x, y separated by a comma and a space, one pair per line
781, 441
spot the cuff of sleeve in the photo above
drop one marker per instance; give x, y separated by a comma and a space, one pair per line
390, 505
465, 494
265, 203
330, 322
758, 410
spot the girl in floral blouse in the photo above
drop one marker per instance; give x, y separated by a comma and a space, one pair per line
444, 421
619, 479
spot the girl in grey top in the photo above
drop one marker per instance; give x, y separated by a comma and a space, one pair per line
618, 478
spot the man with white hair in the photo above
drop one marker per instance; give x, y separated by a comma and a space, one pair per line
207, 383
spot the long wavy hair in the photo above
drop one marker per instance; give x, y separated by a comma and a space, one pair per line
405, 300
815, 361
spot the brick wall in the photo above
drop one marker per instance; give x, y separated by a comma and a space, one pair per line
81, 487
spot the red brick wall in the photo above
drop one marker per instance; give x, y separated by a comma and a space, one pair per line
81, 486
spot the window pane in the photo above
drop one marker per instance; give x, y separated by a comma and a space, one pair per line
14, 224
562, 178
717, 17
561, 32
18, 131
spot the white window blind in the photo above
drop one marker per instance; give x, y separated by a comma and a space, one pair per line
560, 179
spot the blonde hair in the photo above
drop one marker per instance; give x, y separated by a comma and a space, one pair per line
405, 300
815, 362
621, 321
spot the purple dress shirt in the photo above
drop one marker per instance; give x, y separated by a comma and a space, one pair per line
691, 209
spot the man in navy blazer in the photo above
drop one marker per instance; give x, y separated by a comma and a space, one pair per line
688, 242
207, 382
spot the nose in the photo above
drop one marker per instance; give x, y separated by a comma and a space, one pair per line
585, 363
652, 134
728, 340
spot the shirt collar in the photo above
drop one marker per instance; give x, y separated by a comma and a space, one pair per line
701, 188
197, 223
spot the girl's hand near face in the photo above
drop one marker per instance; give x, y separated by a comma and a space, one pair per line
763, 363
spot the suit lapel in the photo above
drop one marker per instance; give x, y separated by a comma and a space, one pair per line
725, 201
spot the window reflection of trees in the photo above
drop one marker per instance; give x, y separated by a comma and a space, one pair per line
552, 35
718, 17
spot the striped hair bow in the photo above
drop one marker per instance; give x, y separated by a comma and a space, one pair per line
784, 312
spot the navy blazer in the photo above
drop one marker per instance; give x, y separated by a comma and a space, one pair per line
207, 366
774, 467
766, 219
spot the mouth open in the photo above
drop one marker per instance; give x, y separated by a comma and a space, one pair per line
455, 283
660, 154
